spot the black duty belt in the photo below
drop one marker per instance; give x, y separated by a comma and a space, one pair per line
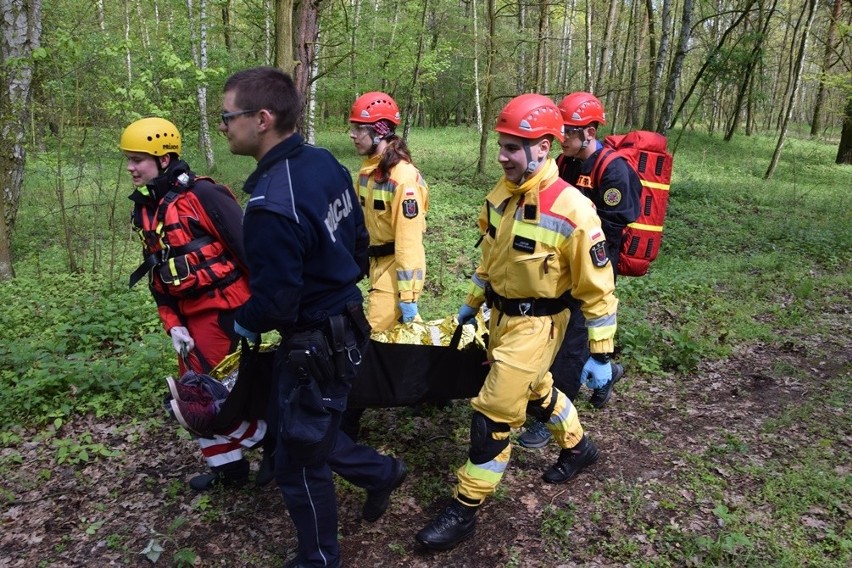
386, 249
524, 307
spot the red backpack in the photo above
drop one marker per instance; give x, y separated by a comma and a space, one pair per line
647, 154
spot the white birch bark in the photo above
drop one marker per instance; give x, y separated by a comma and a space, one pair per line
476, 70
267, 31
198, 45
20, 34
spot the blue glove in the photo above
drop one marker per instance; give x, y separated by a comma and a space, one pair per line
595, 374
248, 334
467, 314
409, 311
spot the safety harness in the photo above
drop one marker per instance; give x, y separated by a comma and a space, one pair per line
175, 264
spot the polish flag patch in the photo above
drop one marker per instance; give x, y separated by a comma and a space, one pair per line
595, 236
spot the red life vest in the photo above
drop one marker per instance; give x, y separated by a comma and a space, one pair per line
182, 258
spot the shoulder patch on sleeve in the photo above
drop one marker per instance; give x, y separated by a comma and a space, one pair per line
612, 196
598, 254
410, 210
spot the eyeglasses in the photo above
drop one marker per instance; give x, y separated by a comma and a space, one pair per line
359, 129
228, 116
574, 129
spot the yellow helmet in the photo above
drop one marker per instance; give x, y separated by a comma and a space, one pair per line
155, 136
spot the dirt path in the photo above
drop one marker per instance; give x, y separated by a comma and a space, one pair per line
671, 449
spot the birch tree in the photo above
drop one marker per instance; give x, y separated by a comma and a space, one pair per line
20, 36
658, 63
199, 56
477, 101
677, 66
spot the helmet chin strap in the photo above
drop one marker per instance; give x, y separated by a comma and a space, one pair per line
531, 164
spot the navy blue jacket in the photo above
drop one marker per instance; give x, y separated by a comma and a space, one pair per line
305, 239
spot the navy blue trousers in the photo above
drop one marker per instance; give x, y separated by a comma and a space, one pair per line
309, 492
574, 351
572, 354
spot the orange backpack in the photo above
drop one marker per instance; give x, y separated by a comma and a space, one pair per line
647, 154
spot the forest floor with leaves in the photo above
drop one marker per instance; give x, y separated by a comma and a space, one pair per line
695, 469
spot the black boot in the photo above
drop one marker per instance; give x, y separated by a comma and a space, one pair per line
572, 461
378, 500
455, 524
234, 474
601, 396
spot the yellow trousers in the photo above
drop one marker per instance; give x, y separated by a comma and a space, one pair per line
521, 351
383, 298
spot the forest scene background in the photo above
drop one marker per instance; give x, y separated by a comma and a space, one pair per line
728, 442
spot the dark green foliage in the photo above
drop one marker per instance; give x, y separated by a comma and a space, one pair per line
68, 344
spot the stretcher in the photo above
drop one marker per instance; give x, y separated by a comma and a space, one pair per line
413, 363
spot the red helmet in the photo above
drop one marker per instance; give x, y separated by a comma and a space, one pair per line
374, 106
530, 116
581, 109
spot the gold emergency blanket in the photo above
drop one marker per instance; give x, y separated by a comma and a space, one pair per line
433, 332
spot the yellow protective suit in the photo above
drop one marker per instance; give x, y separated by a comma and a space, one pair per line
395, 212
541, 239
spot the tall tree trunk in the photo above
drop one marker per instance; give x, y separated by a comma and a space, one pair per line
310, 114
268, 31
844, 149
677, 66
816, 121
564, 68
226, 25
489, 82
305, 38
523, 68
413, 92
638, 49
709, 59
660, 60
541, 46
791, 100
198, 46
127, 59
476, 96
296, 29
285, 58
606, 51
754, 58
353, 45
588, 79
20, 34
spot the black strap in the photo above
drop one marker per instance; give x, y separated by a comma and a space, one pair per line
377, 251
454, 342
157, 258
337, 327
535, 307
150, 262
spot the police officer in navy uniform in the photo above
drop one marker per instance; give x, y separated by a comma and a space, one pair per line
616, 198
306, 247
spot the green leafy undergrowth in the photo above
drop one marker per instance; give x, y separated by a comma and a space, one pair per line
70, 344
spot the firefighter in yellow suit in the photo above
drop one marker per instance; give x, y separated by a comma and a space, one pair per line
395, 200
541, 239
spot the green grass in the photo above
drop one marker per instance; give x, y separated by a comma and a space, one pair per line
744, 262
